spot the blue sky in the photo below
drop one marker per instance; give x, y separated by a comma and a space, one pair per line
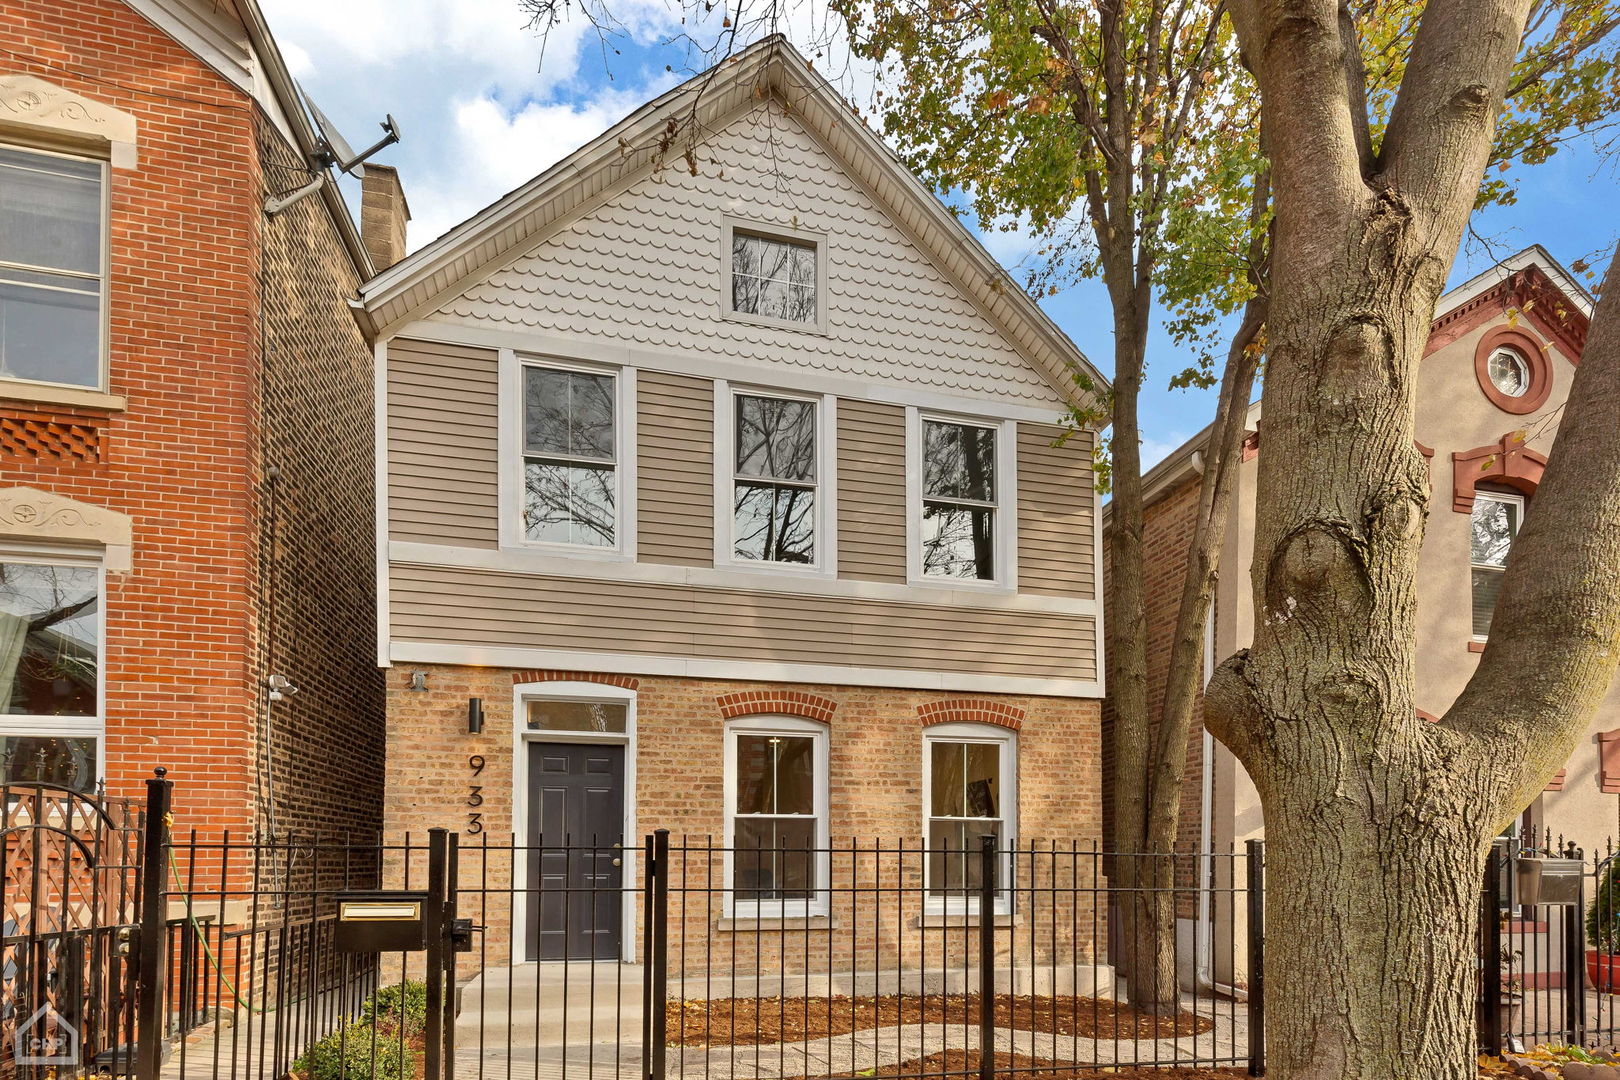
484, 105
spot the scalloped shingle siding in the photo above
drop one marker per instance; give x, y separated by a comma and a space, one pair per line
644, 270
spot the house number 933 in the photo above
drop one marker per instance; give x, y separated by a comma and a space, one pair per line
475, 796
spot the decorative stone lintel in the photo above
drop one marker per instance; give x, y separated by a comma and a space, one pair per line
29, 514
32, 106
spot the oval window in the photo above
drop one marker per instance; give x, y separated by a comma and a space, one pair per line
1509, 372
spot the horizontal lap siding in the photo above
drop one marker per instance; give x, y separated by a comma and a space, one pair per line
871, 491
442, 433
675, 466
1055, 521
476, 607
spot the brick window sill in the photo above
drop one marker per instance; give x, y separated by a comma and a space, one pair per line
67, 396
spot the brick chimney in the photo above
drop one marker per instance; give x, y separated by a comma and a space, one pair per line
383, 214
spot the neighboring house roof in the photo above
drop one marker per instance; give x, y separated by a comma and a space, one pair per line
522, 219
208, 29
1531, 282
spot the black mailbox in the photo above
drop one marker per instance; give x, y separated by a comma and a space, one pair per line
386, 921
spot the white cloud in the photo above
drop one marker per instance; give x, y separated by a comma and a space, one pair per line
478, 111
1155, 450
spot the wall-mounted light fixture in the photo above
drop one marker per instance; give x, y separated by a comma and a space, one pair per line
475, 715
418, 681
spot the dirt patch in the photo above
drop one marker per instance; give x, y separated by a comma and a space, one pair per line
755, 1021
965, 1063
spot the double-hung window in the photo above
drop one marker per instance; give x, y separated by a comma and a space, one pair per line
1494, 523
969, 781
774, 480
52, 267
960, 500
50, 662
776, 814
571, 468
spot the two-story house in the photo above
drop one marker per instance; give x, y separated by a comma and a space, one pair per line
185, 422
1501, 354
727, 489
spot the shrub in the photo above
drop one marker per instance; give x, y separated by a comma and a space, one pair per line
402, 1002
1603, 913
357, 1052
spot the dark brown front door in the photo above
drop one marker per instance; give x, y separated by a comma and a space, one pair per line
576, 827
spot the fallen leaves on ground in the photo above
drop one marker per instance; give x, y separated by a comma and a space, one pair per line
756, 1021
965, 1064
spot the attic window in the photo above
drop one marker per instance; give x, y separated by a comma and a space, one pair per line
774, 277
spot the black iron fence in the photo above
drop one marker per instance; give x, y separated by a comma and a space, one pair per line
1549, 957
288, 956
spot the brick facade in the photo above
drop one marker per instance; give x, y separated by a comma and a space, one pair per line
231, 348
875, 755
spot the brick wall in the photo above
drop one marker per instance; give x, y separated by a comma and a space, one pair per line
874, 766
188, 627
180, 459
317, 550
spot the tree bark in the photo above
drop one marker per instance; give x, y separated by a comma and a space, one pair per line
1377, 823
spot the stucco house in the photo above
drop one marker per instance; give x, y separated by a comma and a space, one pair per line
726, 491
1502, 351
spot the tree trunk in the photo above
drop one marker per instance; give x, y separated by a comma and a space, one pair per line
1370, 965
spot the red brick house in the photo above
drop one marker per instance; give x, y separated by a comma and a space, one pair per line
185, 421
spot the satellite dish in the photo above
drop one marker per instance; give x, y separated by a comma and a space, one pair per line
335, 150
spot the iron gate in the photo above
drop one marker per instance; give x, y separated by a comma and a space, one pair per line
68, 973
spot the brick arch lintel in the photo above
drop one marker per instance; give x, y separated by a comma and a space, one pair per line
971, 711
1508, 462
778, 703
548, 675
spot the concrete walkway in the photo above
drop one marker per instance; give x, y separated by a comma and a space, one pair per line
583, 1022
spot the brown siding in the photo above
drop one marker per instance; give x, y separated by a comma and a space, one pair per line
1055, 544
443, 428
675, 467
871, 491
479, 607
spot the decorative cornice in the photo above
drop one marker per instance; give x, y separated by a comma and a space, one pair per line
29, 514
1529, 293
1508, 462
36, 107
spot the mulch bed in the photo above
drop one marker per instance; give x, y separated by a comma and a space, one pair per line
964, 1065
756, 1021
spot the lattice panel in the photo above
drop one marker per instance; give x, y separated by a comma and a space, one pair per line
49, 438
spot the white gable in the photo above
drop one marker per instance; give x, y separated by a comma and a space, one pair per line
644, 270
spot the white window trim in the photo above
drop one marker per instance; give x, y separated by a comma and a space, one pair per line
818, 903
1007, 741
1490, 496
732, 225
70, 726
104, 328
725, 481
522, 693
1006, 553
511, 458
